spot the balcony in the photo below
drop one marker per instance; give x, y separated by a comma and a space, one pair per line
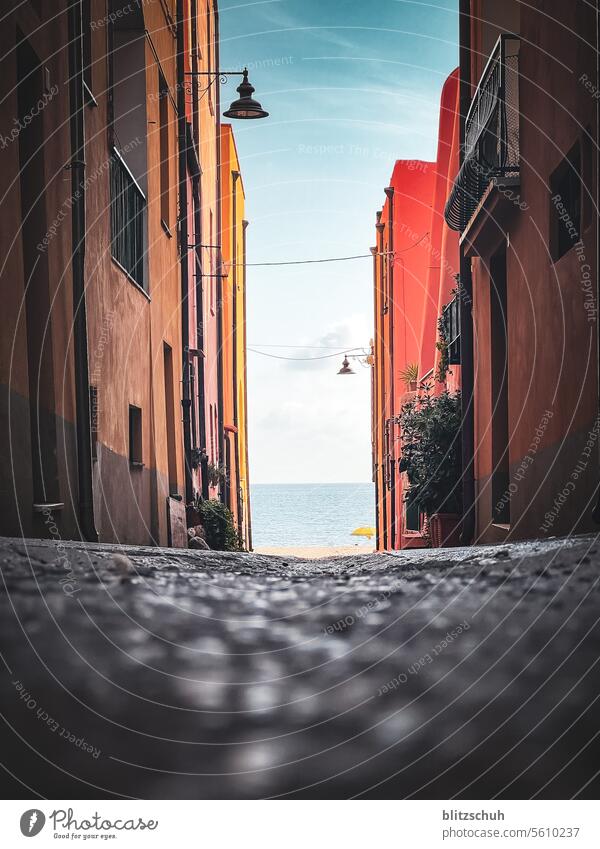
491, 148
127, 219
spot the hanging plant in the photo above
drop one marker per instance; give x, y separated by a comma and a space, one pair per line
431, 451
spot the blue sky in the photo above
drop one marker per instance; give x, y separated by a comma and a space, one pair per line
350, 87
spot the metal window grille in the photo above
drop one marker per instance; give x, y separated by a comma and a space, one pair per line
451, 315
127, 213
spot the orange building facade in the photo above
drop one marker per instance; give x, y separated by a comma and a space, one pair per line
414, 270
112, 389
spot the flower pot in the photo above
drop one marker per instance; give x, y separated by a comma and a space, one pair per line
444, 530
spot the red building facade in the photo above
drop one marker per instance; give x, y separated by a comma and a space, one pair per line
415, 266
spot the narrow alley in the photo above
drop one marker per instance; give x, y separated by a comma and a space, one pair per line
430, 674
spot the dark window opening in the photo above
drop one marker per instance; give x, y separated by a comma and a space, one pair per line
163, 110
451, 314
135, 436
412, 516
565, 204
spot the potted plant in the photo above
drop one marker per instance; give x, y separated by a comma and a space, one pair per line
431, 458
410, 375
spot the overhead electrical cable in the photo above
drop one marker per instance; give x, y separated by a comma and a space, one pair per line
334, 258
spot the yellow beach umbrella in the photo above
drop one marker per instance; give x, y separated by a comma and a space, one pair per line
363, 532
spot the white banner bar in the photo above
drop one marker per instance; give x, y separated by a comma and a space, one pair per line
298, 824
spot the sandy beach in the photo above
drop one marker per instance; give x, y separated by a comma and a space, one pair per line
315, 552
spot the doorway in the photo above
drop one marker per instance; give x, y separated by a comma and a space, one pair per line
34, 230
170, 419
499, 386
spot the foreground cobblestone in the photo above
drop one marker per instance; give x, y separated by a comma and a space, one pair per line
466, 673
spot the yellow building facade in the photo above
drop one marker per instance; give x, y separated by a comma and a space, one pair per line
235, 411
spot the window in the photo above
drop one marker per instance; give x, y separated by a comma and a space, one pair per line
127, 219
135, 436
128, 128
565, 204
451, 318
163, 117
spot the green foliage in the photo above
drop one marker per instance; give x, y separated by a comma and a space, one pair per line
410, 374
217, 521
216, 474
442, 346
431, 451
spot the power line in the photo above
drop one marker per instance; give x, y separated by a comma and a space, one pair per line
303, 359
309, 347
335, 258
313, 261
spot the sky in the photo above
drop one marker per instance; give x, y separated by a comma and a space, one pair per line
350, 88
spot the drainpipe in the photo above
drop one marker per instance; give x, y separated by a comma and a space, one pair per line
391, 307
219, 280
186, 401
235, 176
379, 226
375, 399
82, 381
248, 506
466, 303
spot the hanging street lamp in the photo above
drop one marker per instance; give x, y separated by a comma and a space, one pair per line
365, 358
245, 107
345, 369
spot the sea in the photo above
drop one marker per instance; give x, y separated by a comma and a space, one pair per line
303, 514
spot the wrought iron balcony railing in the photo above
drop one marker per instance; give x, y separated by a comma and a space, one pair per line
491, 147
127, 214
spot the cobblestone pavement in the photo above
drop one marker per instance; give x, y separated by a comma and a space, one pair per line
459, 673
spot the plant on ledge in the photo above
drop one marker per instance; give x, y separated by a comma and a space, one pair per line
431, 452
216, 474
219, 527
409, 375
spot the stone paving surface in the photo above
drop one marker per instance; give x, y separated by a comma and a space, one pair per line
467, 673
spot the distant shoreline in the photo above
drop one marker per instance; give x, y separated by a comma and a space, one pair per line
316, 483
315, 552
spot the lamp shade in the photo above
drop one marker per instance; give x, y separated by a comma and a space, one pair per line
245, 106
345, 369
